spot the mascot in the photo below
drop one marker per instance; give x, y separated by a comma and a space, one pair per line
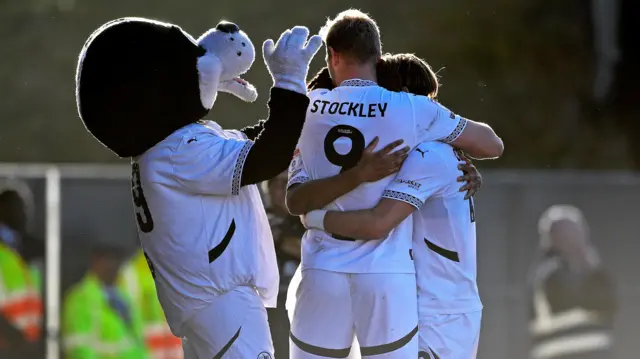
143, 88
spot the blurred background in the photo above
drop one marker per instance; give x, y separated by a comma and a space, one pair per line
558, 80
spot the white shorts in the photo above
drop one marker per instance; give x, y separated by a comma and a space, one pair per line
449, 336
233, 326
381, 310
291, 302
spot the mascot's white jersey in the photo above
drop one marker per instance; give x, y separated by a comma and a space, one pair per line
339, 125
444, 232
203, 234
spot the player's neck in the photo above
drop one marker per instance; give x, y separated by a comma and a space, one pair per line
361, 72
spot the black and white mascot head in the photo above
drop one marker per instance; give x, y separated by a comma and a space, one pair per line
139, 80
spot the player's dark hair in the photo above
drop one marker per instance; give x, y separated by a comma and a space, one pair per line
322, 80
407, 72
399, 72
354, 33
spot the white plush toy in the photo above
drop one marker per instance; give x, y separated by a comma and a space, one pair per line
231, 55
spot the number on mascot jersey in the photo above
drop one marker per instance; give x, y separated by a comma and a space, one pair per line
472, 210
350, 159
143, 214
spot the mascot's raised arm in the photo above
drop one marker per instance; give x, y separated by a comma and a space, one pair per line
143, 89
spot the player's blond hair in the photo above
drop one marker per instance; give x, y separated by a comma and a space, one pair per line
354, 33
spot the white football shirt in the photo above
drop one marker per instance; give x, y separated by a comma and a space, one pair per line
444, 229
339, 125
203, 234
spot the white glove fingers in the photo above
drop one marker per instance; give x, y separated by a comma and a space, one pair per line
298, 37
312, 46
267, 49
284, 38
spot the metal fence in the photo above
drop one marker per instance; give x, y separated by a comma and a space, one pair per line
95, 204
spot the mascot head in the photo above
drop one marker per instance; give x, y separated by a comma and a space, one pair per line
139, 80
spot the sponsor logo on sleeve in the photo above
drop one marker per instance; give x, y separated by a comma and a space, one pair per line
411, 184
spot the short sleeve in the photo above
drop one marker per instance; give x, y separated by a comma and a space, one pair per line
210, 163
419, 178
435, 122
237, 134
297, 173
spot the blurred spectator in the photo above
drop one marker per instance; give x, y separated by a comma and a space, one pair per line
572, 295
287, 233
20, 308
98, 319
20, 301
16, 215
136, 281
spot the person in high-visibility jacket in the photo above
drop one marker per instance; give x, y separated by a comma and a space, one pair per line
20, 305
136, 280
20, 299
99, 321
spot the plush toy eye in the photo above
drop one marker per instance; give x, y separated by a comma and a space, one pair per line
232, 39
239, 53
243, 44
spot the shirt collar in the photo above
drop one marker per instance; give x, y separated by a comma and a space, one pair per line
358, 82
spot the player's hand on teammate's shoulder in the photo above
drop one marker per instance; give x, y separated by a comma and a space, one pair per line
471, 176
377, 165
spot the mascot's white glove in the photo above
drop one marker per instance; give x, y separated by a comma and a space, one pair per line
288, 60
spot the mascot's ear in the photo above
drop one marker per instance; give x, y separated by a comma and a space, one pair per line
209, 72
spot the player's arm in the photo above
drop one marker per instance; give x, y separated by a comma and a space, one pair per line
367, 224
208, 163
305, 195
479, 141
436, 123
417, 180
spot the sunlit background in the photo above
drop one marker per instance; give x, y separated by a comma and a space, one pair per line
557, 80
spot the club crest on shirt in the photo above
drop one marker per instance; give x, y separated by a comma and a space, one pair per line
293, 167
264, 355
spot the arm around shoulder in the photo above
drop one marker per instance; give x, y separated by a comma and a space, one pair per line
303, 197
479, 141
367, 224
436, 122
